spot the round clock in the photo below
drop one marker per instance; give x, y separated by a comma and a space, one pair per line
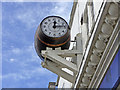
52, 32
54, 26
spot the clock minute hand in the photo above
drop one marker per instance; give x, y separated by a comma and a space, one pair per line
60, 26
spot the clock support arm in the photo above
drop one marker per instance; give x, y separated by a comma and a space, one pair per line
57, 60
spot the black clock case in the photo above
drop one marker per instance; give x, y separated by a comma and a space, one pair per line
42, 41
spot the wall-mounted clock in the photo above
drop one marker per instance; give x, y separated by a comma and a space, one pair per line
52, 32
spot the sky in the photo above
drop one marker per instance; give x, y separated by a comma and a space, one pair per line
21, 67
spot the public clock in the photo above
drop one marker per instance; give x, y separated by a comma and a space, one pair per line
53, 32
54, 26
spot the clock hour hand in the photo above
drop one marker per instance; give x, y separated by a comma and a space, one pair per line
54, 26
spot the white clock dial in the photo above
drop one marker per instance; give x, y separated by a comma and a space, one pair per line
54, 26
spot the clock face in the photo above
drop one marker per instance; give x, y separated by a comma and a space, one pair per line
54, 26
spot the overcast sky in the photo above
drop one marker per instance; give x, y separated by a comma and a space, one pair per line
20, 64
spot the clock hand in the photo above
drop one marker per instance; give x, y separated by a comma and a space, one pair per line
54, 26
60, 26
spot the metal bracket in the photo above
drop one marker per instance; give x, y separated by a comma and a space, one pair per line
56, 60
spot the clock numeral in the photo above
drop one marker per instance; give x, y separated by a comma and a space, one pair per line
45, 22
63, 31
58, 20
54, 34
54, 19
46, 30
63, 24
44, 26
49, 33
49, 20
60, 34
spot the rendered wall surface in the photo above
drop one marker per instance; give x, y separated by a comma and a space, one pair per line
77, 28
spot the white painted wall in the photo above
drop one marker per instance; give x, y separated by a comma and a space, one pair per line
77, 28
64, 83
97, 4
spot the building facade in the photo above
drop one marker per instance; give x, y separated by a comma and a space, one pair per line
95, 32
